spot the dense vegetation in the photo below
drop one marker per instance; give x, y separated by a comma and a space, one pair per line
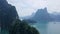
10, 23
22, 27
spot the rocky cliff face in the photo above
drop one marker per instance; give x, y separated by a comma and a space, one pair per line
41, 15
8, 14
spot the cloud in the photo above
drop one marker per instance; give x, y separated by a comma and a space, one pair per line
33, 5
53, 6
27, 7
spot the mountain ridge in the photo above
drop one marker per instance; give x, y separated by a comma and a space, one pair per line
8, 14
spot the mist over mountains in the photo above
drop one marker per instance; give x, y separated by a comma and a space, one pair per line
43, 15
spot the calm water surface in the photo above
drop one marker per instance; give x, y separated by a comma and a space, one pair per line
44, 28
48, 28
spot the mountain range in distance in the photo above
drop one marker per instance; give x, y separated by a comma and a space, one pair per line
43, 15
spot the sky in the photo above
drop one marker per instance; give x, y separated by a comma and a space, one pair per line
27, 7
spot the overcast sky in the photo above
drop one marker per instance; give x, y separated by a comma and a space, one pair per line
27, 7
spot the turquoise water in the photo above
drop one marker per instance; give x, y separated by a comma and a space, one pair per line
43, 28
48, 28
4, 31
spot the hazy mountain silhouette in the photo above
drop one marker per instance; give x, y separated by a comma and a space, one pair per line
43, 15
40, 15
8, 14
55, 17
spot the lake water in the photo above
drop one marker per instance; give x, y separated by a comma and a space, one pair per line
45, 28
48, 28
3, 32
